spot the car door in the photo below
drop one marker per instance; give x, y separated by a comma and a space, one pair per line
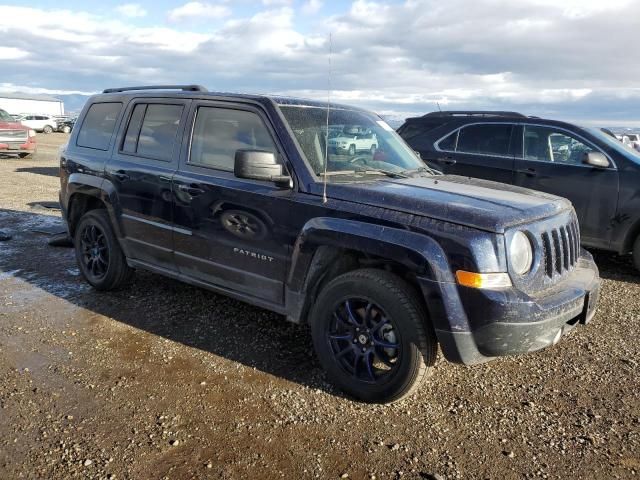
233, 232
141, 170
481, 150
552, 161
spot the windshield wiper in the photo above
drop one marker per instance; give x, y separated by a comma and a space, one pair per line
368, 171
425, 169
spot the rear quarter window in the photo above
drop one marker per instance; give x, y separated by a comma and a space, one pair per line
98, 125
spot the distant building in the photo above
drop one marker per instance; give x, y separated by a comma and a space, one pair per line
16, 103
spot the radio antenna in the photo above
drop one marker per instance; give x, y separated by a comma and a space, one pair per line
326, 138
438, 104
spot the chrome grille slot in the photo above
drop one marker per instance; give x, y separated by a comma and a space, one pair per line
13, 135
561, 249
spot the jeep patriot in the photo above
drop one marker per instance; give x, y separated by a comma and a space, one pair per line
384, 258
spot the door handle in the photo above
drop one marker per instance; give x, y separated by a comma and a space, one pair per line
194, 191
447, 161
164, 179
530, 172
121, 175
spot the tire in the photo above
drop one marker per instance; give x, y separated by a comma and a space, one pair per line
98, 253
47, 129
352, 149
25, 155
373, 149
66, 129
636, 253
372, 336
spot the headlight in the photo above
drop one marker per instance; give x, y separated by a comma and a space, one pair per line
32, 133
520, 253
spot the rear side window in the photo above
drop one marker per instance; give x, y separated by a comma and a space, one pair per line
219, 132
486, 139
98, 125
152, 130
448, 144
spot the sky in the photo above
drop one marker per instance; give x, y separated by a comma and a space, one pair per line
576, 60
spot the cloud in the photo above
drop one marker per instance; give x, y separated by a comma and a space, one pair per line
131, 10
12, 53
312, 7
199, 11
569, 59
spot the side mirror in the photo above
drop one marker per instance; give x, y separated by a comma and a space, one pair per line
260, 165
596, 159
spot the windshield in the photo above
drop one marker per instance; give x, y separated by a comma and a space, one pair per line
617, 145
358, 143
5, 117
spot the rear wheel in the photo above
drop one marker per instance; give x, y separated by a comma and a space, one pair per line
98, 253
373, 149
66, 129
47, 129
352, 149
371, 335
24, 155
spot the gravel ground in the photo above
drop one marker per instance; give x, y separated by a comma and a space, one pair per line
164, 380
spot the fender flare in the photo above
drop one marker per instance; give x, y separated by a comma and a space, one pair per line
419, 253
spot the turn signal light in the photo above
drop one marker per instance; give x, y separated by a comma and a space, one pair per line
483, 280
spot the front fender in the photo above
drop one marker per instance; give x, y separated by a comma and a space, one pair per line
421, 254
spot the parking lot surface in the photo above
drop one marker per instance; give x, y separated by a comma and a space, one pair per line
164, 380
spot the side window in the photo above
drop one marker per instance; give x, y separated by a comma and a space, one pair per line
219, 132
550, 145
487, 139
98, 125
448, 144
152, 130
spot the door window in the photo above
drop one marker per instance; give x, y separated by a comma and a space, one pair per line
552, 145
98, 125
152, 130
485, 139
219, 132
448, 144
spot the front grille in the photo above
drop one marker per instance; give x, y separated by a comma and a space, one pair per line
561, 248
13, 135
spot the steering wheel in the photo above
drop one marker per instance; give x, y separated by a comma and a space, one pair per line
359, 158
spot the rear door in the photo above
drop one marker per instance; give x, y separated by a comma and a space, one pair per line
481, 150
552, 161
234, 233
141, 170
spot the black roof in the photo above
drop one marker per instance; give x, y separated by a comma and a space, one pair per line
462, 117
200, 91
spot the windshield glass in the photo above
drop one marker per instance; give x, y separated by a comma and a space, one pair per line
5, 117
359, 143
617, 145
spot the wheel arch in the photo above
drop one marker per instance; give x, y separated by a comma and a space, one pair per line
328, 247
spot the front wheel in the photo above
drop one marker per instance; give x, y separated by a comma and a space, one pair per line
66, 129
47, 129
98, 252
352, 149
371, 335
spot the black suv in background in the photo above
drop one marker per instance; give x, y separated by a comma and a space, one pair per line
599, 174
384, 259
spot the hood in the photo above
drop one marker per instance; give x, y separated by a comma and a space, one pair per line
472, 202
12, 126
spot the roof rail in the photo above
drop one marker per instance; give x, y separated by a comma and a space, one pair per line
476, 113
184, 88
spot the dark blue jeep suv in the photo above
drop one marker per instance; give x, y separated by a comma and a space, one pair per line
384, 258
600, 175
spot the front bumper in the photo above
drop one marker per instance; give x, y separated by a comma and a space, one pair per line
17, 147
509, 322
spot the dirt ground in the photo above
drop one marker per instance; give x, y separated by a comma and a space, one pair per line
167, 381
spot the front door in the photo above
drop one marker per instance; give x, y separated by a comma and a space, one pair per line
141, 170
479, 150
233, 233
552, 162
